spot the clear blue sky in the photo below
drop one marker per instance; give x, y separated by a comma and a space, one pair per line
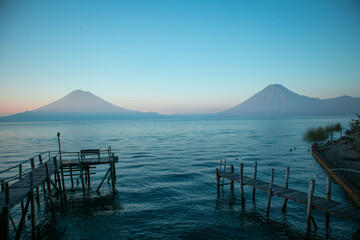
176, 56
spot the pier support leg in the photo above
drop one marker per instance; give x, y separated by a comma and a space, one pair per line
38, 232
270, 192
102, 181
63, 182
12, 222
255, 173
62, 190
33, 229
4, 223
59, 181
49, 190
232, 182
71, 177
223, 182
328, 197
286, 186
37, 197
310, 195
82, 177
88, 176
32, 205
114, 167
217, 181
112, 175
22, 220
4, 217
242, 182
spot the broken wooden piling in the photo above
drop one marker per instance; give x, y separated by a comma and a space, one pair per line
312, 202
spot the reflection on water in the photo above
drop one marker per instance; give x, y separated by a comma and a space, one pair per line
166, 186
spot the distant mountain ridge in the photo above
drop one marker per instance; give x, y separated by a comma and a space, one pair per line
277, 101
273, 101
78, 105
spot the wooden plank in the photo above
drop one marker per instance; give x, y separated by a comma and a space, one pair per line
337, 208
348, 211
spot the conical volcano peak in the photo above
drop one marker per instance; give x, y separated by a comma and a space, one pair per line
80, 101
80, 93
276, 85
276, 100
275, 88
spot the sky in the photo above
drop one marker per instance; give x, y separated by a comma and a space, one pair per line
176, 56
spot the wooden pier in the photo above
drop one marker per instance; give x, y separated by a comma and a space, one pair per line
47, 171
312, 202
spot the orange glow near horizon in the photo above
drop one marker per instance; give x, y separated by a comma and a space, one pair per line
9, 107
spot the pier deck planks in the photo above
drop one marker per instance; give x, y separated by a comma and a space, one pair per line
19, 189
323, 204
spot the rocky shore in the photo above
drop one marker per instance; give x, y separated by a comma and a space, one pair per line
341, 162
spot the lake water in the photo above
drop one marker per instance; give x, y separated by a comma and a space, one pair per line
166, 185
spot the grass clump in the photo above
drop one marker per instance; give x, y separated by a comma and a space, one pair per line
320, 134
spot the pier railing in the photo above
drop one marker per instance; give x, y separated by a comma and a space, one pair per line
46, 171
24, 168
91, 154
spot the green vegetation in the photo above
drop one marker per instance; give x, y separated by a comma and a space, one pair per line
319, 134
355, 130
355, 124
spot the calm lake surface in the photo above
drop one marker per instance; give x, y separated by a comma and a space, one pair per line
166, 184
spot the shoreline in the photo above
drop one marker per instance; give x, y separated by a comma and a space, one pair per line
330, 161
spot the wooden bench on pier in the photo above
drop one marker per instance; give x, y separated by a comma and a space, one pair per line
22, 182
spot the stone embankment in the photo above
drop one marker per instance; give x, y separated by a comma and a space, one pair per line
340, 160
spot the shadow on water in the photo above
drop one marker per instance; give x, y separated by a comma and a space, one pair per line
250, 222
77, 219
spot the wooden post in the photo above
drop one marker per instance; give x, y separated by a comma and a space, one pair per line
4, 217
20, 171
12, 222
224, 172
59, 182
112, 175
310, 195
22, 221
37, 188
59, 144
49, 189
88, 173
71, 177
63, 182
61, 169
328, 197
255, 173
43, 184
81, 172
242, 182
40, 159
217, 181
232, 182
102, 181
286, 186
113, 157
38, 232
37, 197
31, 196
270, 192
20, 177
32, 163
